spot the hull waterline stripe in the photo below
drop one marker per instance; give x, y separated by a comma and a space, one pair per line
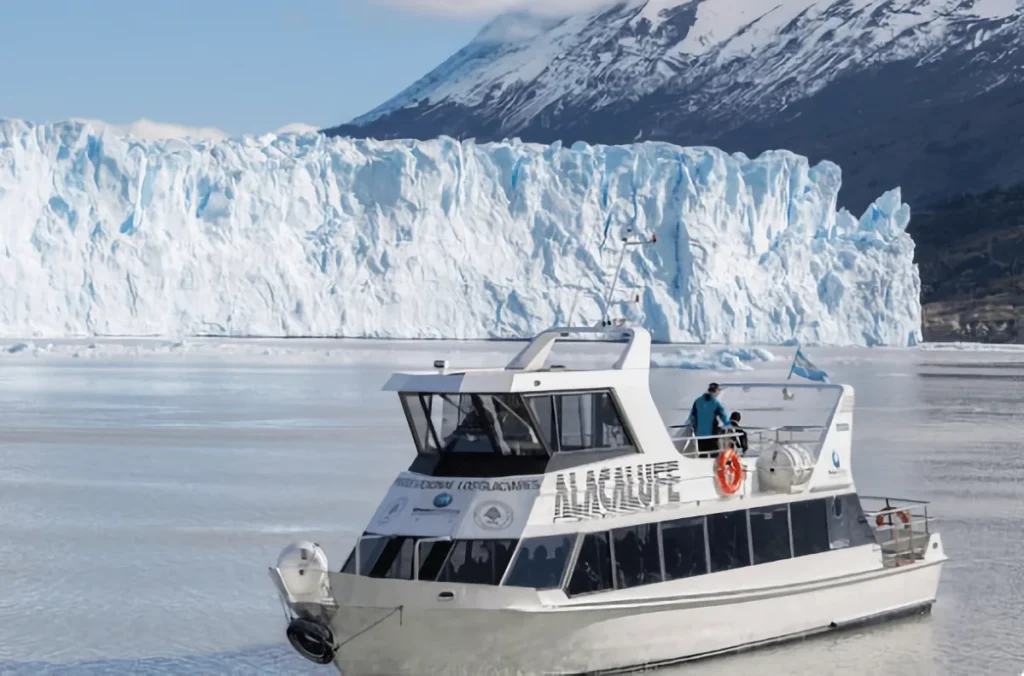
916, 608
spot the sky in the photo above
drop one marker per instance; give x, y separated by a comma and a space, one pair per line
242, 66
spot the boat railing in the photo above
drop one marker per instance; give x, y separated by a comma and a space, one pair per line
758, 439
902, 527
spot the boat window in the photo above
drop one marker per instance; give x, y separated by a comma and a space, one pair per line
477, 561
417, 410
847, 525
580, 421
683, 544
473, 423
395, 560
637, 556
593, 570
810, 527
432, 556
540, 562
369, 549
727, 539
769, 533
383, 557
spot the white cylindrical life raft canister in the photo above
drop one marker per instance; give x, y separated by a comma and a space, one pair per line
783, 467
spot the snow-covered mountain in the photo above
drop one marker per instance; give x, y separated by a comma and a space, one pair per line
300, 235
898, 92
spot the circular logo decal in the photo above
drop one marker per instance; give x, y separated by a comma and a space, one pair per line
394, 510
835, 459
493, 515
442, 500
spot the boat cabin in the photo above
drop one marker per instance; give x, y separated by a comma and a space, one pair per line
530, 417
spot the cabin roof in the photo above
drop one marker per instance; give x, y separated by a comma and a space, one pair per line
496, 381
529, 371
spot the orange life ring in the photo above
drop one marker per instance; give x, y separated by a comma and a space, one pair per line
729, 471
880, 520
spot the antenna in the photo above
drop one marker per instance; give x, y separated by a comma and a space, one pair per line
627, 244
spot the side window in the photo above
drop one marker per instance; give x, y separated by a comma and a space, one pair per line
574, 414
547, 423
727, 537
477, 561
810, 527
769, 533
609, 432
386, 557
847, 525
580, 421
395, 560
540, 562
637, 556
369, 549
683, 544
432, 556
417, 408
593, 571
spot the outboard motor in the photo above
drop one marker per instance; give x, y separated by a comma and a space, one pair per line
303, 572
303, 567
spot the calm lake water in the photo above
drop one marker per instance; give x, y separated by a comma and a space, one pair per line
146, 488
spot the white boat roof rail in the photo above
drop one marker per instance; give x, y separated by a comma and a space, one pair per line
636, 355
788, 384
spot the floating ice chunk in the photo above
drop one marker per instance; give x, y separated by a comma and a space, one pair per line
733, 359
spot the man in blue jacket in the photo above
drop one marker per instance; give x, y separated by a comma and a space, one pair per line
702, 418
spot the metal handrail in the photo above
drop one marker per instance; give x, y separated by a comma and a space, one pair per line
888, 500
904, 535
693, 440
757, 437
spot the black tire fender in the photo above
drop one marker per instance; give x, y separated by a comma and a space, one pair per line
312, 640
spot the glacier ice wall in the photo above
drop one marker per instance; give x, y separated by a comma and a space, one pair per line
301, 235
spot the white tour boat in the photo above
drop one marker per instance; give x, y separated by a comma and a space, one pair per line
551, 522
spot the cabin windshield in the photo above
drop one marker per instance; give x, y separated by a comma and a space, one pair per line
519, 432
473, 423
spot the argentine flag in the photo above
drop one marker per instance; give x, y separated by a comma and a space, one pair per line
803, 367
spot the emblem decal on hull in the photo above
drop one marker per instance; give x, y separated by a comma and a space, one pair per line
493, 515
835, 459
394, 510
442, 500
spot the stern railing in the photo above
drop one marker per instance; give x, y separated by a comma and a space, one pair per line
902, 527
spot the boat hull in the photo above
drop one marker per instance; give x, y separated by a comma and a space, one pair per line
615, 637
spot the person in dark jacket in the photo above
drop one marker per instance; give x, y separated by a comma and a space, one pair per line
740, 439
705, 411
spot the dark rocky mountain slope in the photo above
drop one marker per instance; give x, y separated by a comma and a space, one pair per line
927, 95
